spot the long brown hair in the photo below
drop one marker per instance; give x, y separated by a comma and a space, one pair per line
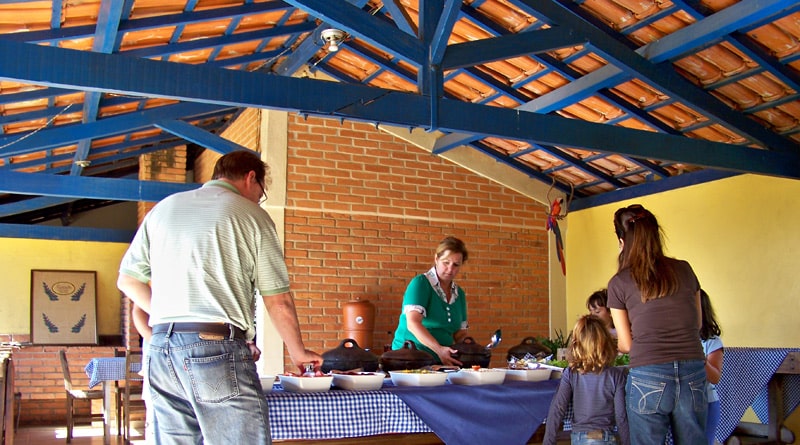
592, 348
643, 252
710, 327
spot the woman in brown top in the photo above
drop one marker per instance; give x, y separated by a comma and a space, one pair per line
655, 305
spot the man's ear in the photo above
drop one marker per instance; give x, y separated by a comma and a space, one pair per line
251, 176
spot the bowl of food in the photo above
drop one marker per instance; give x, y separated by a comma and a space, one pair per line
294, 383
528, 374
266, 382
418, 377
481, 376
358, 381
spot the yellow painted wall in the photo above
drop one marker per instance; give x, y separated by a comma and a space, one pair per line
739, 234
742, 237
19, 256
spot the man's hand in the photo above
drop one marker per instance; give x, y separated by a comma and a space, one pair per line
254, 350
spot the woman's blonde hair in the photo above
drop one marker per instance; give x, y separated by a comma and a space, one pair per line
592, 348
454, 245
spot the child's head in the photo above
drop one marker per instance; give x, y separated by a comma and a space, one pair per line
596, 303
710, 328
592, 347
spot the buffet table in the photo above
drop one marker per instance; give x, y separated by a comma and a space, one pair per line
458, 414
768, 379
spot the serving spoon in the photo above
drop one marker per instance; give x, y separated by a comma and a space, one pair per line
497, 337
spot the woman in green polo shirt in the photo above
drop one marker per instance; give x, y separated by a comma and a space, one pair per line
434, 313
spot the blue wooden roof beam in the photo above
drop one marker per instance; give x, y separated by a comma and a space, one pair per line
124, 75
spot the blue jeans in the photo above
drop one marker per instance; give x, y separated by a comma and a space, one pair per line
205, 392
714, 415
579, 438
667, 394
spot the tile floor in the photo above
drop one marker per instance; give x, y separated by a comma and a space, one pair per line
82, 435
86, 435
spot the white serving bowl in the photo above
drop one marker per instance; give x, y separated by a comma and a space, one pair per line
362, 381
418, 378
528, 375
306, 384
482, 376
266, 382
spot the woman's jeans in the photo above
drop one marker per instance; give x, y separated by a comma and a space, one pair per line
205, 392
593, 438
667, 395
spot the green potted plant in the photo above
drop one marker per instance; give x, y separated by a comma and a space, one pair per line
558, 344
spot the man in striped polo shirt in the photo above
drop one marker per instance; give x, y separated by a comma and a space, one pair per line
197, 264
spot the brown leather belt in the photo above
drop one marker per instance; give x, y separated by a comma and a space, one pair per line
595, 435
209, 330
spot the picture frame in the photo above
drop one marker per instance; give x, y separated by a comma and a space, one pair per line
63, 307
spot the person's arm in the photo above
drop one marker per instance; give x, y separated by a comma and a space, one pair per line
714, 366
620, 412
140, 322
558, 408
136, 290
283, 314
623, 326
414, 322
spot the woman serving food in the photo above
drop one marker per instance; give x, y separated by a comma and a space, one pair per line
434, 313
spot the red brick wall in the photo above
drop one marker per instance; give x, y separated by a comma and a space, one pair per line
365, 213
39, 379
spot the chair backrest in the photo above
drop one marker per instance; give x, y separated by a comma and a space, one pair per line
133, 365
65, 370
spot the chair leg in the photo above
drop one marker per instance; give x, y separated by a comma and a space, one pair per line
127, 422
69, 419
119, 413
18, 403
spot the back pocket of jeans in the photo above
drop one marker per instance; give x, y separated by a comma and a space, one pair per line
645, 396
213, 378
699, 395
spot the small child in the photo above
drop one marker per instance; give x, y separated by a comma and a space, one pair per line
597, 305
595, 388
712, 346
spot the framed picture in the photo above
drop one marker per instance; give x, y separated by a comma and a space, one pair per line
63, 307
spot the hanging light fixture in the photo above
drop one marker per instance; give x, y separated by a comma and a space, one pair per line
332, 38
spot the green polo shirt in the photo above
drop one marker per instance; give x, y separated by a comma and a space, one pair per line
441, 319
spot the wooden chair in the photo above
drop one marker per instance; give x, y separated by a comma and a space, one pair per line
131, 393
77, 394
118, 392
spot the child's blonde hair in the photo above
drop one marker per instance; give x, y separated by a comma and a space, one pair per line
592, 348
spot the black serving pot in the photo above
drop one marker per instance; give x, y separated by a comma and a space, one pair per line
472, 354
407, 357
528, 346
348, 355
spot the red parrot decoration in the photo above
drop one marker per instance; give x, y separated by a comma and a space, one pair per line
552, 224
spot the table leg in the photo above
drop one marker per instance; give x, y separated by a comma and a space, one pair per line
108, 390
776, 414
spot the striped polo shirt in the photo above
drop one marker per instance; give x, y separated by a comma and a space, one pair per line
207, 253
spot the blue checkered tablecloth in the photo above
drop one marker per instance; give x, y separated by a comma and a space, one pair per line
339, 414
101, 369
442, 410
745, 375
